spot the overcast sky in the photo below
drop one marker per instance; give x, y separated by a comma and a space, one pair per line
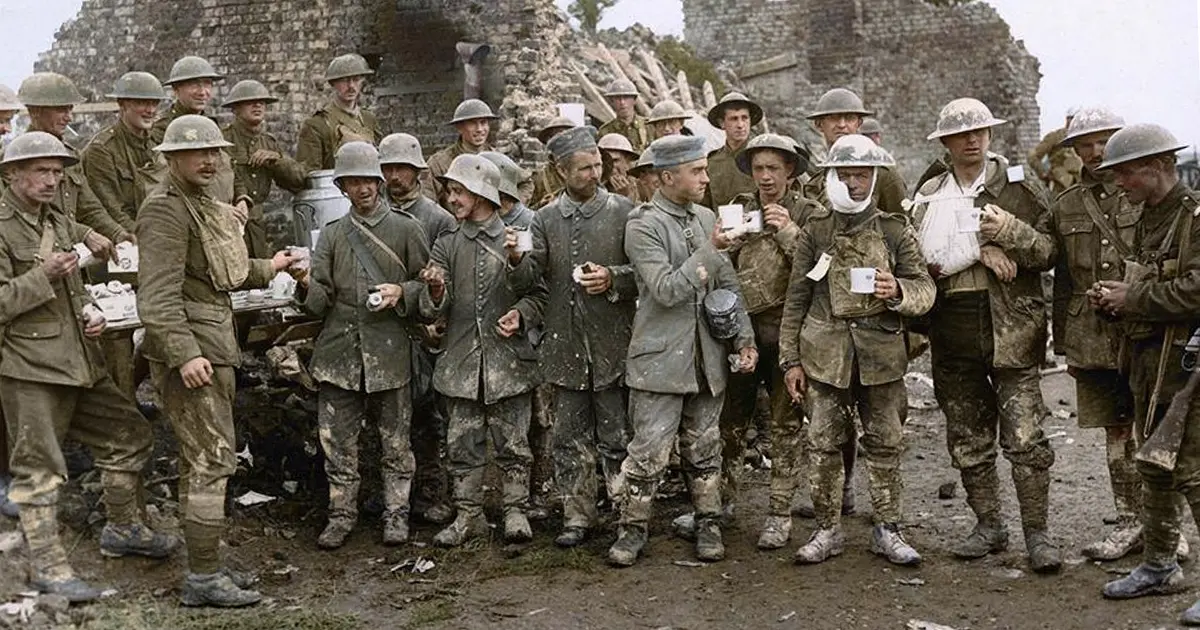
1141, 58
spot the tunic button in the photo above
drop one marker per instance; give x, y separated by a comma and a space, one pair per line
1104, 195
1104, 241
1105, 266
1106, 216
854, 324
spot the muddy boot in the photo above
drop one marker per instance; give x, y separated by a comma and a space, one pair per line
395, 527
821, 546
215, 589
1145, 580
50, 572
1183, 550
468, 524
336, 531
516, 501
571, 537
989, 536
1044, 555
684, 526
775, 533
135, 540
886, 541
1125, 539
439, 513
1191, 616
709, 546
630, 541
7, 507
516, 526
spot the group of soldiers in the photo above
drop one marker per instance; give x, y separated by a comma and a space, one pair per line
619, 305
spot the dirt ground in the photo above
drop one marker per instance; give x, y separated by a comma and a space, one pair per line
488, 585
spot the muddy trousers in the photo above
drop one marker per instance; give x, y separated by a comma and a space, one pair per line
657, 419
541, 441
341, 415
428, 438
40, 416
831, 412
472, 424
738, 415
590, 425
202, 420
1105, 400
983, 403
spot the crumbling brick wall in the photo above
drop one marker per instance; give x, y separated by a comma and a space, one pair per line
906, 58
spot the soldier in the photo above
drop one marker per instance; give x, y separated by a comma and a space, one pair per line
1064, 164
402, 164
191, 81
52, 377
735, 114
488, 366
668, 119
871, 128
1157, 302
473, 121
342, 119
119, 162
258, 158
192, 256
988, 330
840, 112
623, 96
49, 98
647, 178
677, 364
9, 106
512, 211
363, 285
546, 182
579, 253
843, 348
622, 158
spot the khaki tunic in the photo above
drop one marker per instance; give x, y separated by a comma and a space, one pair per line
638, 131
328, 129
357, 349
287, 173
890, 191
726, 180
547, 184
121, 167
439, 163
764, 260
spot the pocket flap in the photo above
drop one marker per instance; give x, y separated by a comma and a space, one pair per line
35, 329
200, 312
1077, 226
647, 346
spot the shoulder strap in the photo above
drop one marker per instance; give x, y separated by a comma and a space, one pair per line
368, 262
1093, 210
379, 243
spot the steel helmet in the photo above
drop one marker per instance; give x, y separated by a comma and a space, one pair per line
248, 91
477, 174
511, 174
8, 100
139, 86
348, 65
618, 142
190, 68
667, 110
716, 115
1138, 141
857, 150
870, 125
557, 125
962, 115
472, 109
48, 89
645, 162
190, 132
839, 101
775, 142
356, 159
621, 87
33, 145
1090, 120
401, 148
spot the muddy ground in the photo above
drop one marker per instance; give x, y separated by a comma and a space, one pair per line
489, 585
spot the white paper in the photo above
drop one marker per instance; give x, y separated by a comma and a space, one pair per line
817, 273
253, 498
1016, 174
127, 259
732, 216
574, 112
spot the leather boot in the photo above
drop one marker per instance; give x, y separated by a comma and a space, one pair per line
217, 590
887, 541
631, 539
395, 527
988, 536
336, 531
775, 533
397, 492
709, 545
50, 572
468, 499
1124, 539
1044, 555
1145, 580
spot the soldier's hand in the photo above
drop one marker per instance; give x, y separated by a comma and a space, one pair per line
100, 245
391, 294
748, 360
886, 287
776, 216
60, 264
596, 281
1113, 296
263, 157
796, 382
435, 278
723, 240
992, 219
130, 238
510, 244
94, 321
509, 324
196, 373
431, 336
282, 260
995, 259
241, 212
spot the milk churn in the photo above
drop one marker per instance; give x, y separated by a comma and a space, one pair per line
317, 205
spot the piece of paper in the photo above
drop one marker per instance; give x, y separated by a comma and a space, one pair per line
1016, 174
817, 273
127, 259
253, 498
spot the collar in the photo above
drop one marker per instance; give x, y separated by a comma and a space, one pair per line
492, 227
334, 105
1106, 182
464, 149
406, 201
129, 135
670, 207
519, 211
1172, 198
852, 223
995, 174
29, 215
245, 130
376, 215
186, 189
567, 206
734, 150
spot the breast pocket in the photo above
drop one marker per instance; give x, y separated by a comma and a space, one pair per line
23, 260
1077, 234
35, 326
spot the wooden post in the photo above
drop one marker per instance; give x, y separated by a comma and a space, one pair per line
685, 91
710, 96
594, 102
656, 73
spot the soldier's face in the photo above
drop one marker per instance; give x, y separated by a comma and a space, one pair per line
582, 173
969, 147
52, 120
877, 138
666, 128
771, 172
621, 162
474, 133
197, 167
1090, 148
465, 204
736, 125
401, 178
834, 126
251, 112
362, 192
194, 95
348, 90
688, 181
1144, 180
858, 180
138, 114
36, 180
6, 122
623, 106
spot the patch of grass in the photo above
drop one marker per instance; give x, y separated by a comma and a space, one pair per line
431, 612
154, 616
538, 561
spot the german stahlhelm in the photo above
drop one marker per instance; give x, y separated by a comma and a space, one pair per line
511, 174
356, 159
477, 174
401, 148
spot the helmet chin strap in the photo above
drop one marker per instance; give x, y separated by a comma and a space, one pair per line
839, 193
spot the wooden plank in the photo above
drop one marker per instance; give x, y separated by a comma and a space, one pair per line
594, 102
710, 96
779, 62
656, 74
685, 91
